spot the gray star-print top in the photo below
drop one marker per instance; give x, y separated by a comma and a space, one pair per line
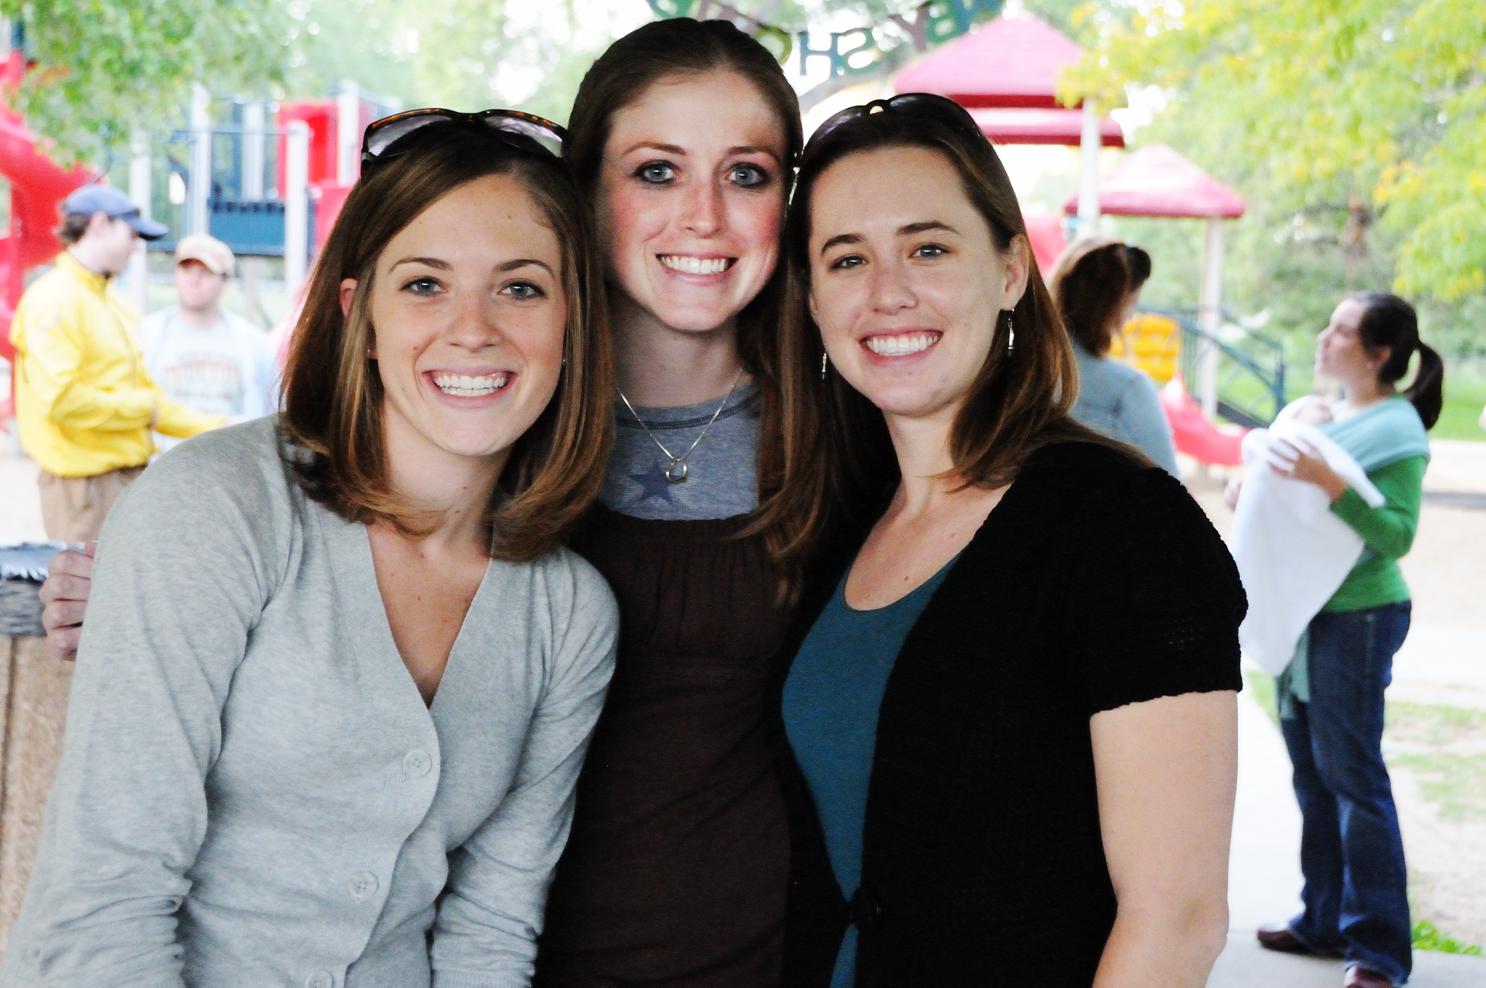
721, 478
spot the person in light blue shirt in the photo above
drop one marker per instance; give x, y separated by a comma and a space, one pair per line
1095, 285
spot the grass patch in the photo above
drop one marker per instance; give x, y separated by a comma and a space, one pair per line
1442, 746
1427, 936
1435, 723
1463, 400
1455, 784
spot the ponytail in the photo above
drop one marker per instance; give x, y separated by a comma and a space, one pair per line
1427, 393
1389, 321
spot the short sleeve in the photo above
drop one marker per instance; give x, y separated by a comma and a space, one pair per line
1155, 600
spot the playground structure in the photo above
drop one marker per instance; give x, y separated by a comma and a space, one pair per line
268, 191
37, 185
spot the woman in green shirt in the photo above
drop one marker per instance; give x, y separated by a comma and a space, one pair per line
1351, 854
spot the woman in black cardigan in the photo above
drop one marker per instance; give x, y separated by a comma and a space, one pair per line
1015, 713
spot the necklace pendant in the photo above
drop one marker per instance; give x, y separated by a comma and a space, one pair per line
676, 472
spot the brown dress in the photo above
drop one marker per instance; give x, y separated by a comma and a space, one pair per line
676, 870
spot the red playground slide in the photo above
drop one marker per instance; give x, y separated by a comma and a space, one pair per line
1195, 434
37, 187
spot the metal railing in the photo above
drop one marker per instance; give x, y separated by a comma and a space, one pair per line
1251, 367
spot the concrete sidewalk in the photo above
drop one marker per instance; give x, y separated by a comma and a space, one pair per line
1264, 878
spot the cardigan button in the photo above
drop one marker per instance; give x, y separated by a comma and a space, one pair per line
362, 884
320, 979
866, 910
417, 763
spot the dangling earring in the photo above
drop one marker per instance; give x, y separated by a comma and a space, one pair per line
823, 362
1010, 333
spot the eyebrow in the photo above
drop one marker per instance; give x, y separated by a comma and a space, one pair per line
432, 262
523, 262
680, 152
906, 230
512, 265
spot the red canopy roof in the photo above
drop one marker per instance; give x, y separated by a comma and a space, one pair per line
1156, 181
1043, 127
1008, 61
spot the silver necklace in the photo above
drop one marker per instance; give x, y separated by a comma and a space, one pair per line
676, 471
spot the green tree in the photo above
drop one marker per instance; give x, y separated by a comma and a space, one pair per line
106, 67
1356, 128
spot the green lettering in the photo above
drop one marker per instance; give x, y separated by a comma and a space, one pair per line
777, 40
807, 53
944, 20
861, 58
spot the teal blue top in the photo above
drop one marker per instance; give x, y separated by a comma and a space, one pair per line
831, 701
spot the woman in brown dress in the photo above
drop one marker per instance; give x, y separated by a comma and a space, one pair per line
685, 135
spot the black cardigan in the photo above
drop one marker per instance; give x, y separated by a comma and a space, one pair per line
1096, 582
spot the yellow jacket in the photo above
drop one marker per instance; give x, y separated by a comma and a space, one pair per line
83, 399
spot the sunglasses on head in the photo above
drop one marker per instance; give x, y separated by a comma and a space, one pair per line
515, 128
926, 104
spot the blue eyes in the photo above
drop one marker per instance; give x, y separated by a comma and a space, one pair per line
522, 290
655, 173
664, 173
422, 287
748, 176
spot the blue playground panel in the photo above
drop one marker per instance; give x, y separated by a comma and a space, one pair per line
249, 228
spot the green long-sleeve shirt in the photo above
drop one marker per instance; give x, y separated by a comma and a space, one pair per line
1387, 532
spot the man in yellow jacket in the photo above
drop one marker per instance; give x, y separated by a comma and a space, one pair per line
84, 402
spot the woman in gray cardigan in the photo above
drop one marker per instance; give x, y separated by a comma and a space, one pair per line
339, 674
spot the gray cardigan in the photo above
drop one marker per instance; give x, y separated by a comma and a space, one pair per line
252, 791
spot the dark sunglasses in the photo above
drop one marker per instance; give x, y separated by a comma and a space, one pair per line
925, 104
525, 131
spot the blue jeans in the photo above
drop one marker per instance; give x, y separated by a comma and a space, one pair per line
1351, 852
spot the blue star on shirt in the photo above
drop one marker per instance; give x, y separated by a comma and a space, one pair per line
654, 483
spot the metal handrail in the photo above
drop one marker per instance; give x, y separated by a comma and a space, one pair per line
1235, 365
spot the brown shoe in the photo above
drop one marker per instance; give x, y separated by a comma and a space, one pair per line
1280, 937
1365, 977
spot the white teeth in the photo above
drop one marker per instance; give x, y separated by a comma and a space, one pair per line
902, 345
696, 265
466, 386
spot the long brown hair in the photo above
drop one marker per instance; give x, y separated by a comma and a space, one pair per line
1020, 397
621, 75
333, 396
1090, 283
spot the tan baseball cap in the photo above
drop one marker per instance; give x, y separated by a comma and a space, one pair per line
210, 251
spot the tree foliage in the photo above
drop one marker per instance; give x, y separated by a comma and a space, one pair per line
103, 68
1358, 124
